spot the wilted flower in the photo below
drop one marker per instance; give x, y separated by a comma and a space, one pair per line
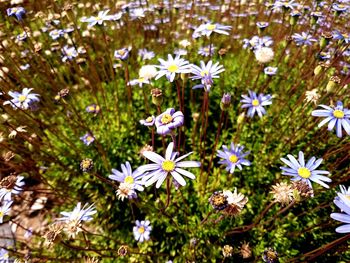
227, 251
142, 230
338, 117
53, 235
233, 157
282, 193
23, 100
162, 167
73, 220
255, 103
123, 251
299, 170
93, 108
128, 176
236, 202
126, 190
301, 189
168, 121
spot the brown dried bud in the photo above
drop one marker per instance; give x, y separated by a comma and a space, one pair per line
123, 251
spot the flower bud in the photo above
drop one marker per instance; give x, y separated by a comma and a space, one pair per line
157, 97
333, 83
225, 102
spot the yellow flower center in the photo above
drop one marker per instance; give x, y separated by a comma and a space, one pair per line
206, 49
338, 114
304, 172
211, 27
129, 179
91, 108
86, 164
121, 52
166, 118
168, 165
22, 98
97, 108
255, 102
1, 214
89, 138
204, 73
233, 158
149, 119
141, 230
173, 68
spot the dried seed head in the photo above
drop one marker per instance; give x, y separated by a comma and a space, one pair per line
301, 190
236, 202
282, 193
53, 235
86, 165
270, 255
8, 182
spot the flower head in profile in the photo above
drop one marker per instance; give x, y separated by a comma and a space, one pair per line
22, 100
99, 19
142, 230
270, 71
255, 103
93, 108
87, 139
303, 39
172, 66
10, 185
122, 54
338, 117
149, 121
168, 165
126, 175
342, 201
168, 121
233, 157
74, 219
208, 28
18, 12
146, 54
342, 37
69, 53
206, 73
301, 171
207, 51
312, 96
5, 210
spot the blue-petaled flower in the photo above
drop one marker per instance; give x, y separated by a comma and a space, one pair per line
22, 100
342, 200
149, 121
206, 73
146, 54
339, 7
16, 11
257, 42
99, 19
128, 176
208, 28
207, 51
301, 171
270, 71
344, 37
139, 81
73, 220
10, 185
56, 33
5, 210
4, 256
284, 5
262, 25
233, 157
255, 103
338, 117
87, 139
142, 230
168, 121
122, 54
163, 166
93, 108
303, 39
69, 53
171, 67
